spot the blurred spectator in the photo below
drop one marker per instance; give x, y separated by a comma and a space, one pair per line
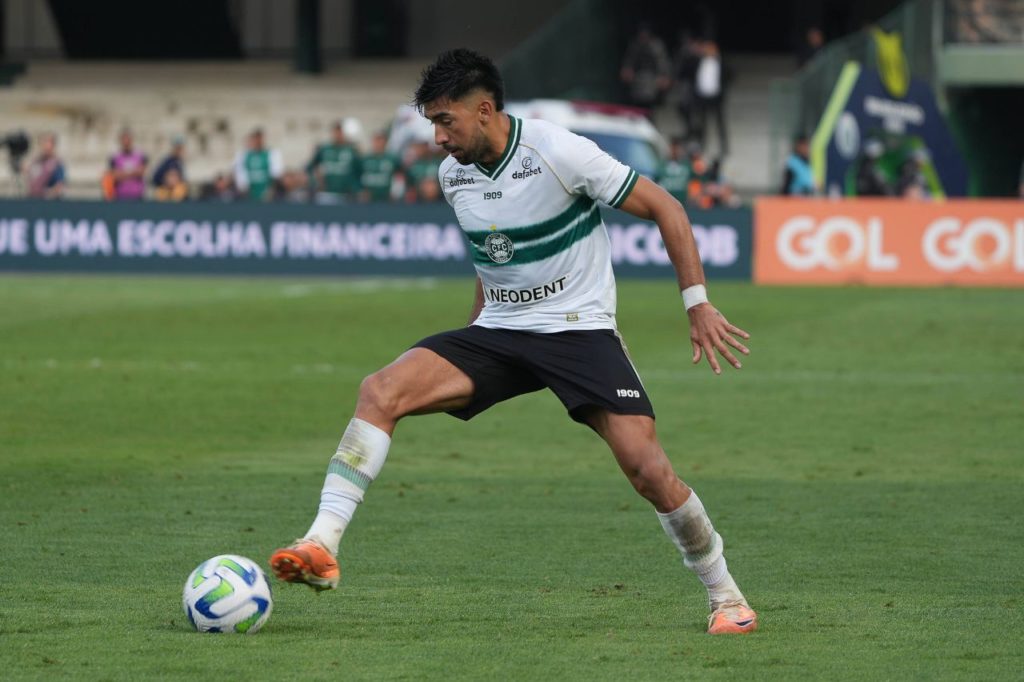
378, 171
127, 169
173, 188
292, 187
428, 190
645, 69
174, 160
107, 185
335, 168
684, 69
813, 41
707, 188
709, 90
45, 173
220, 189
1020, 189
674, 174
422, 165
912, 183
257, 168
798, 180
871, 181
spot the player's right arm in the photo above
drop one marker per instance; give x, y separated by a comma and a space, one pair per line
583, 168
478, 302
709, 330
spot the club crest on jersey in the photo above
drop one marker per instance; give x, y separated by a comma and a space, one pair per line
499, 247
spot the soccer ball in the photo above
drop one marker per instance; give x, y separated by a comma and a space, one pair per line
227, 593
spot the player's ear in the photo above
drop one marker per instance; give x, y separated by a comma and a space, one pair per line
485, 109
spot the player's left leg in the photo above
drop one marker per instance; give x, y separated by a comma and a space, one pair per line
463, 372
633, 441
418, 382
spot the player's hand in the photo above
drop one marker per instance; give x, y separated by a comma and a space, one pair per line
710, 332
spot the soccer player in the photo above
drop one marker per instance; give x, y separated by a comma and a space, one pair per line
526, 193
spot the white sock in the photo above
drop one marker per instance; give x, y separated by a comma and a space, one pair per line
691, 531
358, 460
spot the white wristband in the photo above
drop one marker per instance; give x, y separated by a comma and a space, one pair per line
694, 295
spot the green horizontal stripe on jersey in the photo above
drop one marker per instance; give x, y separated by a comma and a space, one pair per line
625, 189
532, 251
539, 230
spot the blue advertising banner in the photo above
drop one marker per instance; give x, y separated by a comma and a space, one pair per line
724, 238
371, 239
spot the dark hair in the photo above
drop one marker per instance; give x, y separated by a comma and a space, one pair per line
455, 74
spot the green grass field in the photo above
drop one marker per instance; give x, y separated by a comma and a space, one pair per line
865, 469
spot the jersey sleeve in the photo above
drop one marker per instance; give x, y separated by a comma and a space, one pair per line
584, 168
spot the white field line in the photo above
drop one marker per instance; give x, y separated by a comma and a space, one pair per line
358, 286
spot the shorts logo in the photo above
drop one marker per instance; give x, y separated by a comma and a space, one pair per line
499, 247
627, 393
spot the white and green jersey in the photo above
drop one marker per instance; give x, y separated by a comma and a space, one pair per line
535, 231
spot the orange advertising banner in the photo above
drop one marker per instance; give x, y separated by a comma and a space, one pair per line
889, 242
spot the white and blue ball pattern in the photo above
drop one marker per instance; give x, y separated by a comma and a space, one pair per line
227, 593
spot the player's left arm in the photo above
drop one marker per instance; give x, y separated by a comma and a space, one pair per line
709, 330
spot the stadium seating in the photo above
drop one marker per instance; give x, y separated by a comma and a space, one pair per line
213, 105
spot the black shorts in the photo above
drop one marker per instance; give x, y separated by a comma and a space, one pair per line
586, 369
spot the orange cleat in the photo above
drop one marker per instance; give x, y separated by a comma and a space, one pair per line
306, 561
732, 618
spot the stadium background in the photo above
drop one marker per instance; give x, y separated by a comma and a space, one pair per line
215, 71
874, 434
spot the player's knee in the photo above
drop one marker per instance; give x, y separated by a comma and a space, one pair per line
653, 481
378, 392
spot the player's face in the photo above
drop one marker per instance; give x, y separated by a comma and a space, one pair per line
458, 128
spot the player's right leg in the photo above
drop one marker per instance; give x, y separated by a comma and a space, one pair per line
635, 445
418, 382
